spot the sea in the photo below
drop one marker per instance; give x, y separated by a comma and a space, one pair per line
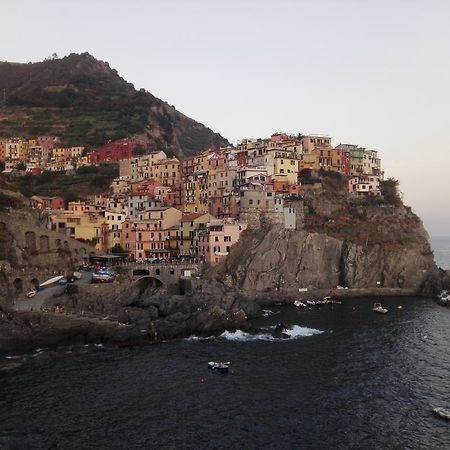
347, 378
441, 250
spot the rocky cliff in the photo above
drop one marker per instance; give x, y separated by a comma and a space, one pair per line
342, 241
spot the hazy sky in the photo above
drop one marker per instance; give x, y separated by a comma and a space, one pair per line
374, 73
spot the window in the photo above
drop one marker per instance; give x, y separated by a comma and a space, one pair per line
216, 238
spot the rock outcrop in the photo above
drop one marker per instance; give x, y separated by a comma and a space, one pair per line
283, 260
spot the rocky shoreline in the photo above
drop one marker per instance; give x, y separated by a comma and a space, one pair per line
120, 315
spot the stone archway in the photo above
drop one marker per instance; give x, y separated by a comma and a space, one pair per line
44, 244
34, 283
150, 285
30, 241
18, 285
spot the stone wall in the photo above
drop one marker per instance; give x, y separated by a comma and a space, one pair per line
30, 253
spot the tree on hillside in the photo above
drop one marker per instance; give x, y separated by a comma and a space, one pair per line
138, 150
389, 191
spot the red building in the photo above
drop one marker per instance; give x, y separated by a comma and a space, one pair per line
41, 202
345, 163
115, 151
242, 158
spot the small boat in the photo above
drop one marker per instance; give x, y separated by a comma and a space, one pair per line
219, 366
31, 293
442, 413
327, 298
51, 281
299, 304
311, 303
379, 309
77, 275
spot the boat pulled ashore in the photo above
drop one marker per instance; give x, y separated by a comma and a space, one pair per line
219, 366
379, 309
31, 293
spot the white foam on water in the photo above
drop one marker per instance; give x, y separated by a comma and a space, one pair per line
297, 331
269, 312
199, 338
240, 335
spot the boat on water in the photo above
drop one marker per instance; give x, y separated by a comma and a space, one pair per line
219, 366
379, 309
51, 281
442, 413
299, 304
311, 302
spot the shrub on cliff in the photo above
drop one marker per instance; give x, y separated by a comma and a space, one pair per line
389, 191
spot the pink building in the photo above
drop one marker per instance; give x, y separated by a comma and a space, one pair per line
215, 240
47, 142
217, 160
146, 187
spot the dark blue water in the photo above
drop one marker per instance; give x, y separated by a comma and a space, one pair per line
367, 381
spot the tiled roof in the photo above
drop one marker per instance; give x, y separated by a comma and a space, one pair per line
191, 217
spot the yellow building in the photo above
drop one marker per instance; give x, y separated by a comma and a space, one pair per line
167, 171
308, 161
114, 221
195, 190
16, 149
285, 166
201, 162
78, 225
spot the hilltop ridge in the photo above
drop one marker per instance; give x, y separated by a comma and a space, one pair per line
83, 100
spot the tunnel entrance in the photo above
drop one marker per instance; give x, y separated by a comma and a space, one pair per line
18, 285
149, 285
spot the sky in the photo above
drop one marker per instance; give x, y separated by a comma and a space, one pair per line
374, 73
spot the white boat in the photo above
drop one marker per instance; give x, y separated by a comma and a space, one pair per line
51, 281
219, 366
299, 304
379, 309
77, 275
311, 303
31, 293
442, 412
